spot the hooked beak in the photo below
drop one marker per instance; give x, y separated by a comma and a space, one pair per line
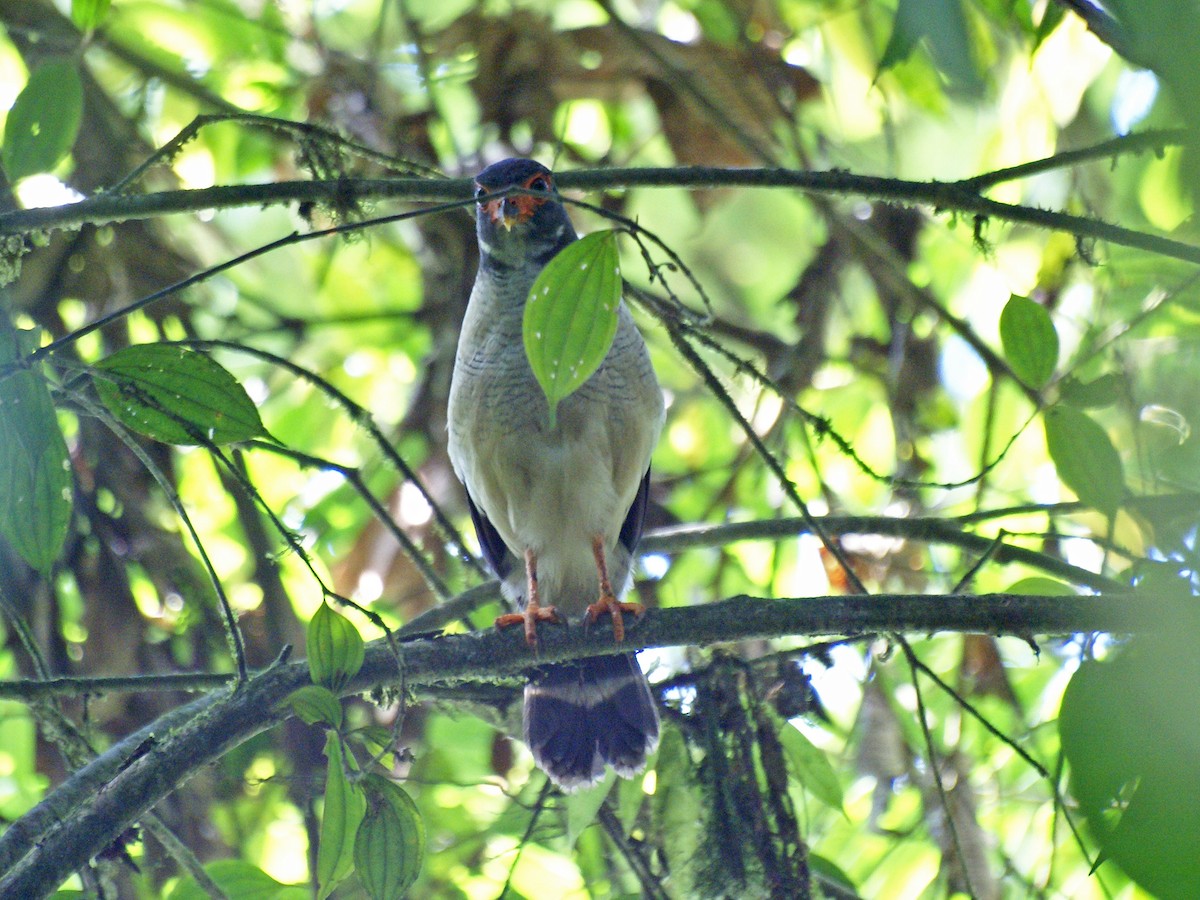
510, 211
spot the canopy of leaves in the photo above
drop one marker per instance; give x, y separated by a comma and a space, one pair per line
927, 319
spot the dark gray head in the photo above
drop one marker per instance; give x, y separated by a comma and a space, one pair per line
520, 227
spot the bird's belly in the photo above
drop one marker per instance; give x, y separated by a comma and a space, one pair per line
554, 497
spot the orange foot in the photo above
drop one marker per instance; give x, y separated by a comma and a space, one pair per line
533, 612
608, 603
530, 616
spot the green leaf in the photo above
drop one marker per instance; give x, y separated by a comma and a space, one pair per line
41, 126
176, 395
583, 806
1132, 739
943, 25
1038, 586
1052, 15
678, 812
35, 471
1029, 340
335, 648
87, 14
390, 847
236, 878
571, 315
314, 703
345, 806
830, 873
1086, 460
811, 766
1104, 390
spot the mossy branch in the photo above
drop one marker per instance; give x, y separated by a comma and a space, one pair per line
85, 814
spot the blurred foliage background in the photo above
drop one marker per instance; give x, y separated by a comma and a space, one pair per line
863, 342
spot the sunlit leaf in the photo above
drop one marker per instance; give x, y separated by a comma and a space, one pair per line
44, 119
811, 766
345, 806
1038, 586
236, 878
314, 703
583, 805
1030, 341
35, 471
390, 847
571, 315
176, 395
335, 648
87, 14
1086, 459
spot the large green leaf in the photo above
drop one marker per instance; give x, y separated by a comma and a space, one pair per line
1029, 339
943, 26
176, 395
1104, 390
335, 648
1086, 459
345, 806
811, 766
571, 315
583, 806
44, 119
1132, 737
35, 471
236, 878
315, 703
678, 812
390, 847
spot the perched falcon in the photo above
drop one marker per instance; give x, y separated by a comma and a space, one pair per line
558, 511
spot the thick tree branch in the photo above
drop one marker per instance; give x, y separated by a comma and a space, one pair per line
961, 197
677, 539
88, 811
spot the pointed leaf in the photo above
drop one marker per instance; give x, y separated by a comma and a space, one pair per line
678, 811
335, 648
1104, 390
1039, 586
44, 119
87, 14
571, 315
811, 766
345, 806
314, 703
943, 25
176, 395
583, 806
1086, 460
1030, 341
35, 471
236, 878
1134, 754
390, 847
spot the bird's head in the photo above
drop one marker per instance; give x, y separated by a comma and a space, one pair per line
515, 227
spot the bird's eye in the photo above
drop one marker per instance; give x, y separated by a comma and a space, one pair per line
538, 183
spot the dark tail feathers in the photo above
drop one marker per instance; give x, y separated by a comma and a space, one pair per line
580, 716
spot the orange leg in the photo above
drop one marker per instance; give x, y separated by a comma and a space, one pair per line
608, 602
533, 612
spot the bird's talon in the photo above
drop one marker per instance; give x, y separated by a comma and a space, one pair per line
529, 617
609, 604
